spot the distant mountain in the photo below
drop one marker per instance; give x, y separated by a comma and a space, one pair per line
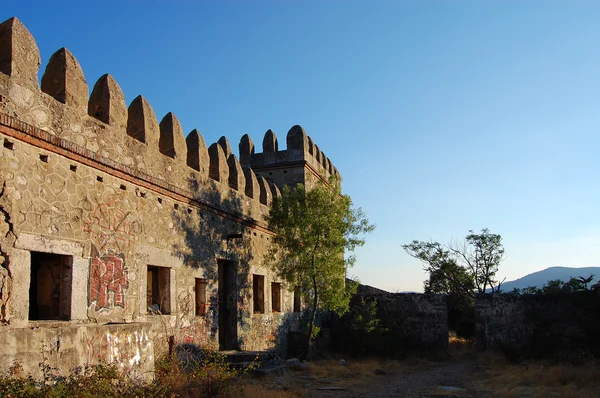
540, 278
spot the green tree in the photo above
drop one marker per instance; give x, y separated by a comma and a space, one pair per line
466, 267
315, 232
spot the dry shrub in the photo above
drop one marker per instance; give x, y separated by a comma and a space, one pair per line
460, 347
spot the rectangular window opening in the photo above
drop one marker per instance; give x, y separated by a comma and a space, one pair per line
275, 297
99, 179
8, 144
73, 168
44, 158
158, 290
50, 287
258, 293
200, 291
297, 300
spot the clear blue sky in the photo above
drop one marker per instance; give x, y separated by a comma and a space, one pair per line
442, 116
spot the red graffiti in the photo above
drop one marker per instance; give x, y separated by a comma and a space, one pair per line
108, 274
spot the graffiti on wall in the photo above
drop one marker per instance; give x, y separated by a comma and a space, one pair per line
107, 275
111, 228
126, 348
112, 232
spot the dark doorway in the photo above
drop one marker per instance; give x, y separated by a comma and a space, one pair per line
50, 287
158, 290
227, 306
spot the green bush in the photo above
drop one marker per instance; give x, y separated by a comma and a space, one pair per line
361, 332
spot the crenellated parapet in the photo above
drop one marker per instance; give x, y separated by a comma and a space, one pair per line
298, 163
113, 216
108, 131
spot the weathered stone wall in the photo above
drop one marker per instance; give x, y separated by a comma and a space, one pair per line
113, 195
391, 324
129, 345
561, 326
423, 318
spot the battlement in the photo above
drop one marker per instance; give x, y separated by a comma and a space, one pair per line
301, 156
133, 215
300, 148
105, 128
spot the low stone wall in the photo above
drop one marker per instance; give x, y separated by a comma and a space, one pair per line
423, 318
562, 326
64, 346
391, 324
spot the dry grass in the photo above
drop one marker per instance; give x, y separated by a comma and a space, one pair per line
329, 372
492, 375
460, 348
260, 391
536, 379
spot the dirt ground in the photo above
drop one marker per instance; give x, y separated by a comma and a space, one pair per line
487, 375
366, 379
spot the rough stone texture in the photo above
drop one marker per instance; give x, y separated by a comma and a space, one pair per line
265, 191
424, 317
419, 320
197, 154
115, 197
561, 326
107, 102
19, 54
142, 123
64, 80
252, 187
129, 345
292, 166
172, 142
246, 149
224, 143
270, 142
237, 180
219, 170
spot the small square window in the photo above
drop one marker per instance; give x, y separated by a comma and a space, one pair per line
258, 293
8, 144
44, 158
73, 168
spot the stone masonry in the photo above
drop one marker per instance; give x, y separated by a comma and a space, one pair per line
117, 231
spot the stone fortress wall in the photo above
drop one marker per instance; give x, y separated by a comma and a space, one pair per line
117, 230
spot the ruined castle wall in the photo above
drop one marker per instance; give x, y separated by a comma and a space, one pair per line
119, 208
561, 326
130, 346
422, 318
302, 161
407, 322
